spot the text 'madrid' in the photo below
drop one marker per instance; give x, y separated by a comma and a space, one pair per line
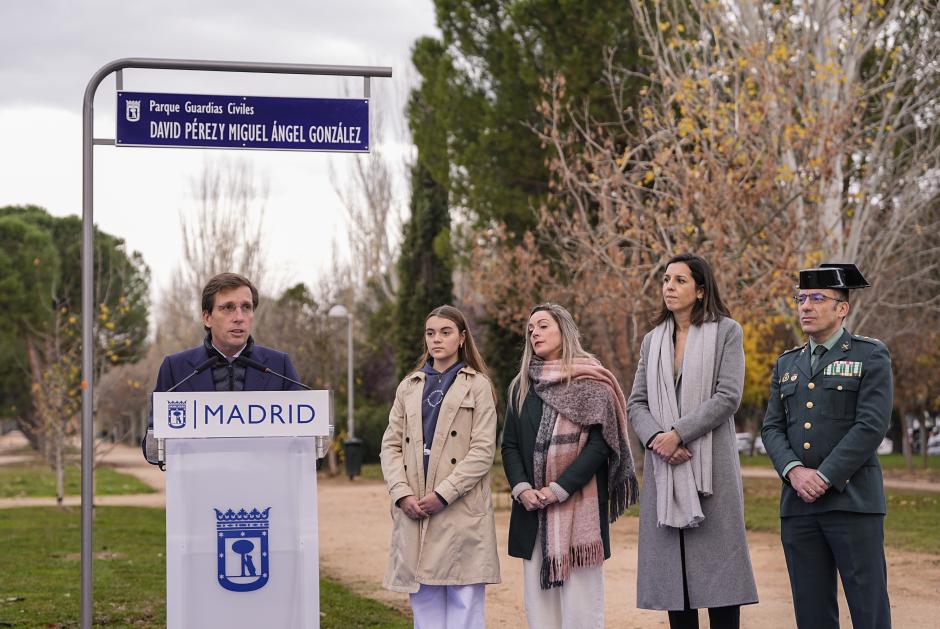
241, 414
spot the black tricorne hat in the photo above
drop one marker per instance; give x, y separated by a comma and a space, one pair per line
839, 276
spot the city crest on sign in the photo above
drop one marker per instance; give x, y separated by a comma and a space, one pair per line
176, 414
132, 110
242, 549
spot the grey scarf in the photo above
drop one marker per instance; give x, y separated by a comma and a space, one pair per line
678, 486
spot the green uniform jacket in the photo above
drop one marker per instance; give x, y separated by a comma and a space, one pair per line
832, 418
518, 452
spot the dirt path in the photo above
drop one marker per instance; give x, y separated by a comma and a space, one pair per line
123, 458
355, 529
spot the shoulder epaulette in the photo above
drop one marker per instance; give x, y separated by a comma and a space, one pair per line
793, 349
867, 339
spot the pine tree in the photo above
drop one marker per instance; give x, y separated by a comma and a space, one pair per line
482, 100
424, 266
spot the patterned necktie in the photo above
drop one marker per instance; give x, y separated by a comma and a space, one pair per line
817, 354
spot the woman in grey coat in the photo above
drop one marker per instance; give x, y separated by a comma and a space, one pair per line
692, 547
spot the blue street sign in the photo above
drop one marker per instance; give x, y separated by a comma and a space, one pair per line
244, 122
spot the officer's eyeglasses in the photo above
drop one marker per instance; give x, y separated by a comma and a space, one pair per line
230, 308
814, 298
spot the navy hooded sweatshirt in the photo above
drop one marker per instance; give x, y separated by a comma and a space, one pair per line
436, 385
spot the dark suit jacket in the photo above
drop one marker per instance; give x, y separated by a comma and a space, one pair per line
832, 422
518, 452
177, 366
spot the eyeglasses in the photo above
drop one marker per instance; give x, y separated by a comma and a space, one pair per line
229, 309
815, 298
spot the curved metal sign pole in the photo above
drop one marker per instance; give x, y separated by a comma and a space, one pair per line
88, 141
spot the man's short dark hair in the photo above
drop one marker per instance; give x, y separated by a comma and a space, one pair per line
226, 281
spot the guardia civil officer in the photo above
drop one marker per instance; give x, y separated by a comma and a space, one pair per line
829, 409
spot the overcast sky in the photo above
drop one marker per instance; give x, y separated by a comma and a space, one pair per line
49, 50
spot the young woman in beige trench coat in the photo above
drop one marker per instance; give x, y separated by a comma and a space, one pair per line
436, 458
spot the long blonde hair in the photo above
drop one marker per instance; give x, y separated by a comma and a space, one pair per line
570, 349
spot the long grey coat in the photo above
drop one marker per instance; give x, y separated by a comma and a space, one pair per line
718, 564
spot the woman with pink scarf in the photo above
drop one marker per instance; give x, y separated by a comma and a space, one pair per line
566, 455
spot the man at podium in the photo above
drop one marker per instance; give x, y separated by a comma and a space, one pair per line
228, 359
241, 493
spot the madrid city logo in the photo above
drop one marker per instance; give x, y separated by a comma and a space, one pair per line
176, 414
132, 110
242, 549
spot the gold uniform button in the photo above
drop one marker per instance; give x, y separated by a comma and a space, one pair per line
809, 405
807, 446
811, 386
839, 388
807, 425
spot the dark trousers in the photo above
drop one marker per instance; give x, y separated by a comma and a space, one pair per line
718, 617
816, 546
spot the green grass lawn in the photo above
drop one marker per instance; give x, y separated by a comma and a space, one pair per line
896, 462
892, 464
341, 609
758, 460
37, 480
370, 471
911, 523
40, 573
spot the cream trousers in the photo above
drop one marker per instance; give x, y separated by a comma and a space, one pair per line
578, 604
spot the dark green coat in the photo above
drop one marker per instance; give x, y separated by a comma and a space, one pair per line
518, 451
832, 422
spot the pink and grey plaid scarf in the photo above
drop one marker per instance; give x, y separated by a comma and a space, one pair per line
570, 531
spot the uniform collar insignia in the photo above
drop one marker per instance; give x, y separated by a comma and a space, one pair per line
845, 346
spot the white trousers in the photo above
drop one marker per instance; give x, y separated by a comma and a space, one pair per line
449, 606
578, 604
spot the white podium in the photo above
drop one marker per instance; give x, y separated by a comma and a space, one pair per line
241, 513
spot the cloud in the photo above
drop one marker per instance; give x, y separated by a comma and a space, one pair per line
52, 47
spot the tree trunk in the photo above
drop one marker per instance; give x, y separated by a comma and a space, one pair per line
59, 474
923, 440
906, 441
331, 463
753, 426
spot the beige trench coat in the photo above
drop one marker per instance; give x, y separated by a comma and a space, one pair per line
457, 546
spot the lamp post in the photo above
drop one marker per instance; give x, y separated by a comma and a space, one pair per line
352, 447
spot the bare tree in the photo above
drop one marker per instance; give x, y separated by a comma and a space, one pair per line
769, 137
227, 231
123, 400
848, 96
54, 361
224, 232
372, 190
